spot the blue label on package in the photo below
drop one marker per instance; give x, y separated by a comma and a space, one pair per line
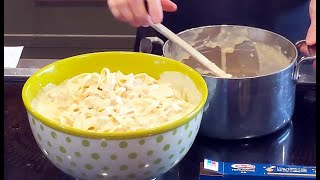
214, 170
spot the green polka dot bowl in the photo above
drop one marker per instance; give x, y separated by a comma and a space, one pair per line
142, 154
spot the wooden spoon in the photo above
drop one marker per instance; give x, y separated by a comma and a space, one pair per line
196, 54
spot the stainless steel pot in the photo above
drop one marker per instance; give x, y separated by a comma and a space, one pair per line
243, 107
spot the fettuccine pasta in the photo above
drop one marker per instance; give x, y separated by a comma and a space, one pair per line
113, 102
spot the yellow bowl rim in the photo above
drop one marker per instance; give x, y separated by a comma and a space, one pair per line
115, 135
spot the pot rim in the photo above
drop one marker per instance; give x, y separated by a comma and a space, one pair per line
293, 62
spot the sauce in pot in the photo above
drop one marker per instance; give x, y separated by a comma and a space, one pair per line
235, 53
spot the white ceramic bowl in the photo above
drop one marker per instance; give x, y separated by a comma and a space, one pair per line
139, 155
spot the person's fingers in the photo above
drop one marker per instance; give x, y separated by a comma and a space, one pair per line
134, 24
311, 35
304, 49
155, 10
168, 6
112, 4
141, 17
135, 13
125, 11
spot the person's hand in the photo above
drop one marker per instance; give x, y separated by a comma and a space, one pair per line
135, 13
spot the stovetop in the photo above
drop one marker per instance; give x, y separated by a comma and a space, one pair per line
294, 144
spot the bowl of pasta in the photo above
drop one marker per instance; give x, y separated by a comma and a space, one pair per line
115, 115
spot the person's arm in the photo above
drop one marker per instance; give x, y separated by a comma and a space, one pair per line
311, 35
135, 13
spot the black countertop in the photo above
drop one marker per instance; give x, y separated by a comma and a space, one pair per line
295, 144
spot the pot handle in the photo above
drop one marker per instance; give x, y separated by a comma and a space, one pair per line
146, 44
310, 57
